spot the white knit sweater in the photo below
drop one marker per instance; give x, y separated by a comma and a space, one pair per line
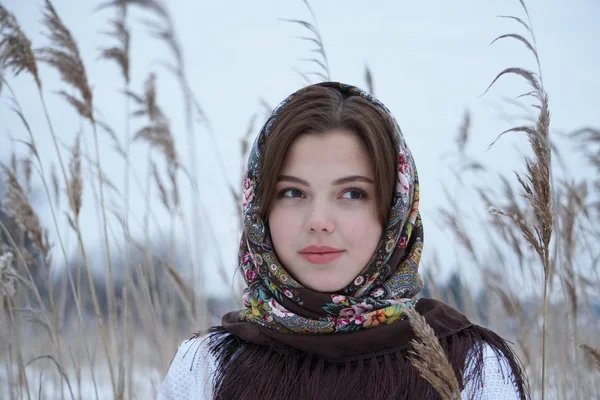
190, 375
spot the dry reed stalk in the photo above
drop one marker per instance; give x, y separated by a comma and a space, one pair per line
64, 56
512, 307
28, 63
15, 47
590, 140
17, 335
27, 171
510, 303
144, 297
463, 132
21, 57
590, 147
118, 211
142, 273
93, 167
369, 80
13, 162
40, 316
17, 206
452, 220
317, 40
592, 354
451, 216
75, 185
568, 218
121, 56
429, 358
537, 184
165, 31
40, 169
7, 279
55, 185
500, 225
164, 198
158, 132
60, 369
117, 147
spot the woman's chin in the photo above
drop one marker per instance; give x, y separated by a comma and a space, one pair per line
325, 286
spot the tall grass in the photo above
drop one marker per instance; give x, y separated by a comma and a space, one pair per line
547, 216
113, 336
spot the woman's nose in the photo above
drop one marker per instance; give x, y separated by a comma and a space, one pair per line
320, 219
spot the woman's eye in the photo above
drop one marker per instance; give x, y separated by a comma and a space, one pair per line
291, 193
354, 194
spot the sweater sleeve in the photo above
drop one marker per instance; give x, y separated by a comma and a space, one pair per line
189, 375
497, 381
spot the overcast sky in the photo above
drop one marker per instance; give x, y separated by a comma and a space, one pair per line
431, 61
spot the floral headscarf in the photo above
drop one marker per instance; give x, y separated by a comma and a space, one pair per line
390, 280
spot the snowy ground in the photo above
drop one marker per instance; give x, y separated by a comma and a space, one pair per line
44, 384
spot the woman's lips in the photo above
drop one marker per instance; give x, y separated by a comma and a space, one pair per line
321, 257
320, 254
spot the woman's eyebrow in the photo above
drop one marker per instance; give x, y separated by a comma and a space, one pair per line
289, 178
353, 178
340, 181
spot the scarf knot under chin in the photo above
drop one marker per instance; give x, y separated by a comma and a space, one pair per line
376, 297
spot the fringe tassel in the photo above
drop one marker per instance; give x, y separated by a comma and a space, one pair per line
249, 371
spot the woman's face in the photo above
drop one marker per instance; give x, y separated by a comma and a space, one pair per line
323, 220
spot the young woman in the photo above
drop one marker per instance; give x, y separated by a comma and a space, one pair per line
330, 253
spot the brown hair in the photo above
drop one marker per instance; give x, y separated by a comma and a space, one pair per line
318, 109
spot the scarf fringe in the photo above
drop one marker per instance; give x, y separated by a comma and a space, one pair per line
248, 371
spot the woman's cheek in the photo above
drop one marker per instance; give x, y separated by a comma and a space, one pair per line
356, 228
365, 231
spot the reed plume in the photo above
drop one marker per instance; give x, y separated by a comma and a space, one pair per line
75, 186
7, 278
429, 358
15, 48
16, 205
158, 132
65, 58
315, 38
119, 54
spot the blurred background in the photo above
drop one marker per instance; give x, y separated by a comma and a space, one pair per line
125, 128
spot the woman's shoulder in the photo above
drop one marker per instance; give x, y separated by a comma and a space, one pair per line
189, 375
496, 380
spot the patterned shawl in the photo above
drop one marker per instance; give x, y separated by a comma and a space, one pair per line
390, 280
